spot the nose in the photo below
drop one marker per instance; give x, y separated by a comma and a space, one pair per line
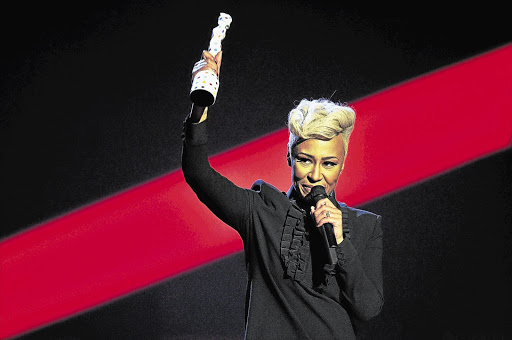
316, 174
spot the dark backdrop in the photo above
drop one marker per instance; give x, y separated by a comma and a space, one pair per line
93, 95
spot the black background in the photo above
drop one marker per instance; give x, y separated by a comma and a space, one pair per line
94, 93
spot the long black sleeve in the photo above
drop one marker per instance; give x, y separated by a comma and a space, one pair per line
226, 200
361, 272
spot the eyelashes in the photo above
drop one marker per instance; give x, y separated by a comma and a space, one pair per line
307, 161
303, 160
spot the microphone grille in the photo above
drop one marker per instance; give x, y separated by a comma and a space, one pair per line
318, 193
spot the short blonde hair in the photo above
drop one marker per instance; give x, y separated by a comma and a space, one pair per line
320, 119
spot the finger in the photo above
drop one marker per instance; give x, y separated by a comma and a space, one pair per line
218, 58
213, 62
207, 55
321, 223
317, 214
211, 65
324, 202
335, 221
321, 214
324, 219
325, 210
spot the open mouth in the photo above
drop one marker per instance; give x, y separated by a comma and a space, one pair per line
306, 189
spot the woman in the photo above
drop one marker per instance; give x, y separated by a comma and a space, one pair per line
293, 291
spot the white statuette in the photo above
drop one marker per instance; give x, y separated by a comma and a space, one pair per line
205, 84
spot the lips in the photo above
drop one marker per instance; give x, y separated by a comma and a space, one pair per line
306, 189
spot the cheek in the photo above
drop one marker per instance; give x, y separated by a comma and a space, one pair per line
298, 173
332, 179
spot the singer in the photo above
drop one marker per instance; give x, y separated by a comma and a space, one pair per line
294, 291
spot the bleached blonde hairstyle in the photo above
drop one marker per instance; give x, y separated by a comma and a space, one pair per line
320, 119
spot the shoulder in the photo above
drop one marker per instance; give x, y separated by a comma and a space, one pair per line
363, 220
270, 194
361, 214
259, 184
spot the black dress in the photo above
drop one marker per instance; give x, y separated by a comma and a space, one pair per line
291, 294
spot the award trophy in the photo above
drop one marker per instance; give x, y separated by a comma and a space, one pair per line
205, 84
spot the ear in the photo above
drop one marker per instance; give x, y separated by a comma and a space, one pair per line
289, 159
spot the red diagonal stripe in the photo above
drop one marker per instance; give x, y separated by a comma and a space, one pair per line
154, 231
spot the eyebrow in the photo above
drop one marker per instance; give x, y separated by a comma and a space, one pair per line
323, 159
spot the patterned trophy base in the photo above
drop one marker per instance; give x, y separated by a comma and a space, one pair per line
204, 88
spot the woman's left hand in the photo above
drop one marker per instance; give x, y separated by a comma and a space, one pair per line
326, 212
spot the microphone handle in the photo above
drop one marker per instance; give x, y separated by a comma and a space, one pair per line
329, 240
326, 230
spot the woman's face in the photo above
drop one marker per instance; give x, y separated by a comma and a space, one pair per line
317, 162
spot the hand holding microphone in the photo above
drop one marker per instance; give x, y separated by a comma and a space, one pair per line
328, 218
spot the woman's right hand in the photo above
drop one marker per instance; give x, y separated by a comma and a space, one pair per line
208, 62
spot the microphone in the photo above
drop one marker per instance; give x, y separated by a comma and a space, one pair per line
326, 230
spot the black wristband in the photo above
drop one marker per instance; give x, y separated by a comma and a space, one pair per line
194, 133
196, 112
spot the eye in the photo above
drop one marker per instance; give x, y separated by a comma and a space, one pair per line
303, 160
329, 164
